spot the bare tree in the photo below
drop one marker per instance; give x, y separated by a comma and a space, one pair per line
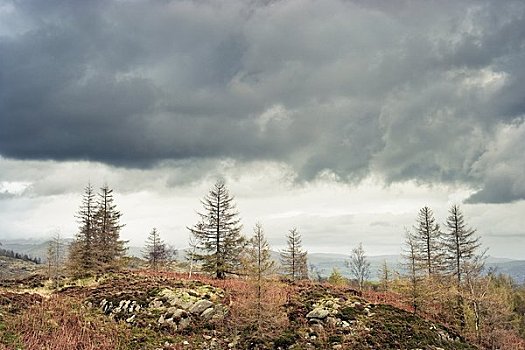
359, 265
260, 267
385, 275
293, 258
218, 233
55, 259
155, 251
410, 256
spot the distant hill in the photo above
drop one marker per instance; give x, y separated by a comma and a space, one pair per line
323, 263
11, 268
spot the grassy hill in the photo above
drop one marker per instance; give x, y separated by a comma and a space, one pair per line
142, 310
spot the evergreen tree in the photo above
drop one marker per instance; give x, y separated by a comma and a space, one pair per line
428, 240
359, 265
460, 243
110, 249
82, 255
155, 251
218, 233
293, 258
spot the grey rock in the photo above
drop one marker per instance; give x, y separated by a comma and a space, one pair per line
332, 321
208, 313
180, 303
200, 306
183, 323
319, 313
155, 304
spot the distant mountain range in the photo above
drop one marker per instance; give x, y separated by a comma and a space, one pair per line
323, 263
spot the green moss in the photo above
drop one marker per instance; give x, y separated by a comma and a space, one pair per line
347, 313
285, 340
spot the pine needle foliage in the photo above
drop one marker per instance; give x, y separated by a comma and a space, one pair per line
460, 243
97, 246
293, 258
218, 235
155, 251
110, 248
82, 253
428, 240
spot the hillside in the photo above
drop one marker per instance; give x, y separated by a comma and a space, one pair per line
167, 311
11, 268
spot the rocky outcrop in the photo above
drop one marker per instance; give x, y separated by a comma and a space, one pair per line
175, 308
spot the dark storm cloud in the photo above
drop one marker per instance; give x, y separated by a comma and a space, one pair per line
429, 91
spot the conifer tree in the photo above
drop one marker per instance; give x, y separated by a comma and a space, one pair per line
259, 267
259, 262
218, 233
293, 258
460, 243
82, 253
109, 247
428, 240
155, 251
411, 258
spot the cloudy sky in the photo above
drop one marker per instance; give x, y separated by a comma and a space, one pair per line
341, 118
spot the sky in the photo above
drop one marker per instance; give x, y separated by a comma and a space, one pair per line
340, 118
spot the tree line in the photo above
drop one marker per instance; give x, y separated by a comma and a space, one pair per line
15, 255
217, 245
441, 275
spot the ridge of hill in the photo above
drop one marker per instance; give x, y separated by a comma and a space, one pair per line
145, 310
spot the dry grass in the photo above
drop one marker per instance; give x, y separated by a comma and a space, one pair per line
61, 324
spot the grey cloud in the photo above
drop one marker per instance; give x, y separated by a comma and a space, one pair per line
359, 87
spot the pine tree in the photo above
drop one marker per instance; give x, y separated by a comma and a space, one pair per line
155, 251
82, 255
293, 258
460, 243
428, 240
110, 249
218, 233
359, 265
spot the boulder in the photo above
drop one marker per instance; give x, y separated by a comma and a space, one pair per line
200, 306
319, 313
208, 313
